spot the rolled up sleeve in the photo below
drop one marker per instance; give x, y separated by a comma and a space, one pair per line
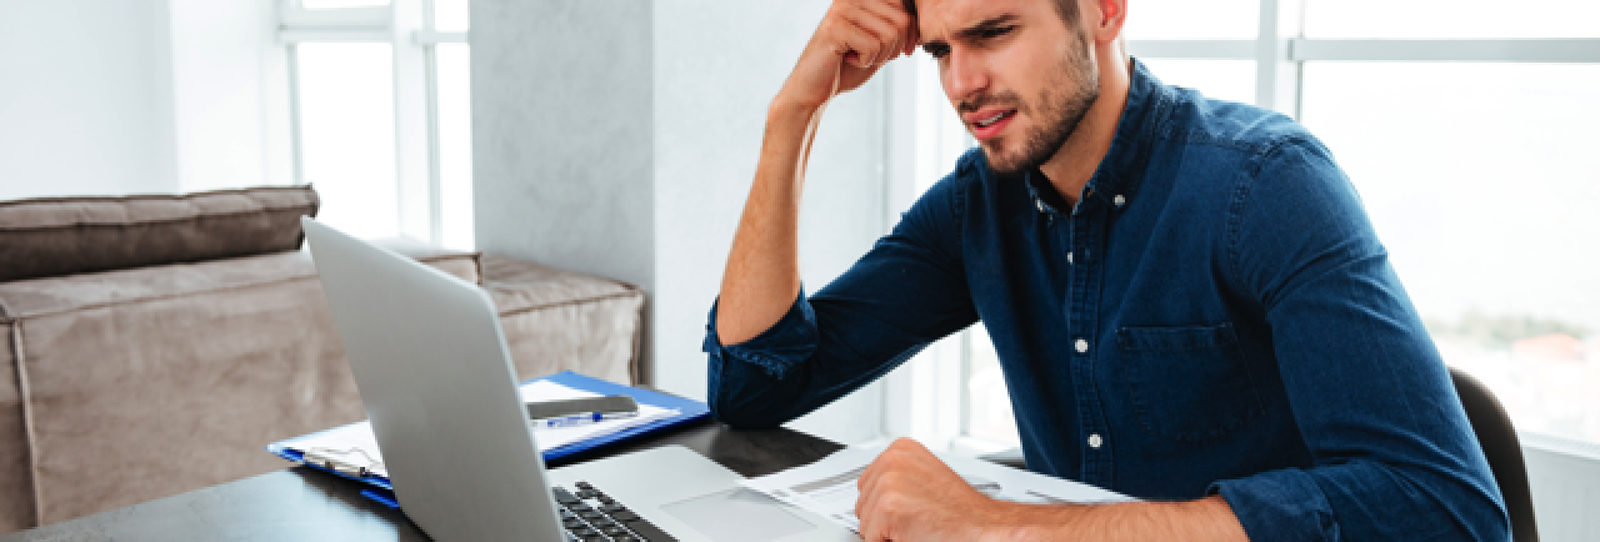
905, 293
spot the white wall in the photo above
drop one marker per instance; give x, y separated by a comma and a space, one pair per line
718, 63
620, 138
230, 95
110, 97
86, 98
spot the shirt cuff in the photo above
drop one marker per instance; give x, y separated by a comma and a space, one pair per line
1279, 505
777, 350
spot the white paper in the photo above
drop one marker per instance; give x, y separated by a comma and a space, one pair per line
355, 443
827, 487
550, 438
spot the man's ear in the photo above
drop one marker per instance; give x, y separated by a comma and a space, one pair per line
1108, 25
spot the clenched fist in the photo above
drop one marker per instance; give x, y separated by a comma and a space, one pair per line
909, 494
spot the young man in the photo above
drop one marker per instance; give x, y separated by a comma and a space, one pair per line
1188, 301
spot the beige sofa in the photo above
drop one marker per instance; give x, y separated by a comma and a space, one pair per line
128, 384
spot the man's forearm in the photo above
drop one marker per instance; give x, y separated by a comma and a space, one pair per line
1206, 519
763, 274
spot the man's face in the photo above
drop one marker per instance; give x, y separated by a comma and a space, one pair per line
1018, 76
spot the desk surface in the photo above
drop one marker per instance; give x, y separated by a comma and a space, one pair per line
302, 504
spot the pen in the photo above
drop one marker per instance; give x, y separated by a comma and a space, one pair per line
582, 419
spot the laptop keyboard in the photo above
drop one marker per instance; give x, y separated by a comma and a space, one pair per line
589, 515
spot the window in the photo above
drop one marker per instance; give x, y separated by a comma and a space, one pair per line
1469, 135
346, 104
382, 123
1451, 19
1484, 196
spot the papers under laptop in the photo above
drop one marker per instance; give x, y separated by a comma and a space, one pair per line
353, 447
436, 378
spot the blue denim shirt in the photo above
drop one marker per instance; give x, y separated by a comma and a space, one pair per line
1216, 315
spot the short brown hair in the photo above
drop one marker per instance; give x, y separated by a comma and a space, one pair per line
1068, 9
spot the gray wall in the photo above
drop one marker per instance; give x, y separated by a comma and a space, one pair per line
661, 107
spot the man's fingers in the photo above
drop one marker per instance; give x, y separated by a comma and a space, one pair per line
874, 37
892, 12
872, 520
867, 489
913, 39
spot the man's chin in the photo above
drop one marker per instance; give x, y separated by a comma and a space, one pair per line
1003, 162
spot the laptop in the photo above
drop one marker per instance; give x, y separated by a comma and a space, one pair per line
436, 377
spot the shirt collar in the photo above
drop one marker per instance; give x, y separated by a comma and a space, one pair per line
1122, 168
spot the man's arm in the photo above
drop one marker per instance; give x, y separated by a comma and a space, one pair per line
908, 494
1392, 455
762, 277
773, 353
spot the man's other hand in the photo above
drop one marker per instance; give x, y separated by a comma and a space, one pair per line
856, 38
909, 494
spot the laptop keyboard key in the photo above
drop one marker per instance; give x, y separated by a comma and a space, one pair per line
648, 532
585, 522
563, 497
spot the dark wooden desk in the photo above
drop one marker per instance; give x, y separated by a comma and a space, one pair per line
302, 504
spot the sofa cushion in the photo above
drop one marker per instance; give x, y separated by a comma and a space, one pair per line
125, 386
558, 320
47, 237
55, 295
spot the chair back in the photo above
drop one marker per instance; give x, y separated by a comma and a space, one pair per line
1503, 449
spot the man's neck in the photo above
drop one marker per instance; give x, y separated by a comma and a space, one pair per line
1072, 166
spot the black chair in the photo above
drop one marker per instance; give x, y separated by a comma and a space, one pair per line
1493, 428
1503, 449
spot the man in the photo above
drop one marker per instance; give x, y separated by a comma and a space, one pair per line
1188, 301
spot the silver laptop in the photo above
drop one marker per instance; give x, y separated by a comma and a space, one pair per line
436, 377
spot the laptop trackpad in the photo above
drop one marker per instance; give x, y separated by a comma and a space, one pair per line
738, 515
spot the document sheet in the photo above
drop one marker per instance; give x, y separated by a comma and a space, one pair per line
827, 487
355, 446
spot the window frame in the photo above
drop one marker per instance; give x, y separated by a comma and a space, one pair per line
408, 26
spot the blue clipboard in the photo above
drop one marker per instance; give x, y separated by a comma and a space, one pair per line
689, 411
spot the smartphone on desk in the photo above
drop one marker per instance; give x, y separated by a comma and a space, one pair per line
610, 406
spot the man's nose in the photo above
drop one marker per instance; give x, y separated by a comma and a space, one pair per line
965, 76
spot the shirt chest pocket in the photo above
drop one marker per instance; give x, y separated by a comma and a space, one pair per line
1189, 383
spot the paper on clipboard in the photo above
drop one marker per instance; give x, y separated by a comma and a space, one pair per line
354, 449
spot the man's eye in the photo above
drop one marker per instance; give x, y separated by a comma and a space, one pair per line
995, 32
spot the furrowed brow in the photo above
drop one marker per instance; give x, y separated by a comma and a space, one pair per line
975, 31
971, 33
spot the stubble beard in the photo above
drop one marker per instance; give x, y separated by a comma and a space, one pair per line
1064, 103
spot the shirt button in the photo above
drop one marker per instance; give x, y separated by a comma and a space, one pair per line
1081, 345
1095, 441
1119, 201
1039, 203
1069, 258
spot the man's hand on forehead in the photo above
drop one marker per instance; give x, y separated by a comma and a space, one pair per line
911, 9
854, 40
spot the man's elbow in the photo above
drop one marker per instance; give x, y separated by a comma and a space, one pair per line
743, 414
741, 419
1488, 520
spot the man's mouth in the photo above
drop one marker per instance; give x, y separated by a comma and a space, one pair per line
990, 126
985, 123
